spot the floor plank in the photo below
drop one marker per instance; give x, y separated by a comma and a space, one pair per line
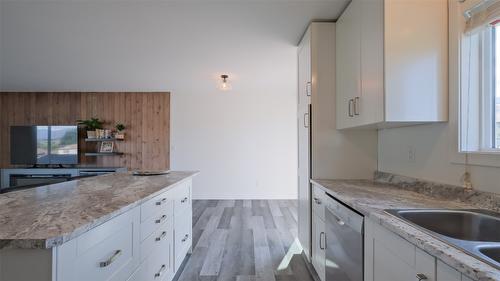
213, 261
245, 240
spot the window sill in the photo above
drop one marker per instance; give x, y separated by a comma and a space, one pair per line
478, 158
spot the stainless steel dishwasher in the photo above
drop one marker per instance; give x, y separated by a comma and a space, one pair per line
344, 242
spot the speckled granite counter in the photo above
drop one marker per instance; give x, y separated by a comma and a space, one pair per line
50, 215
372, 197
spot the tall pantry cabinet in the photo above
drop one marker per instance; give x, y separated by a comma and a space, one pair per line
323, 151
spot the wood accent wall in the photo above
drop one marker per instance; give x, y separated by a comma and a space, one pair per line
146, 116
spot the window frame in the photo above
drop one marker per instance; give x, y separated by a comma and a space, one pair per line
478, 98
456, 30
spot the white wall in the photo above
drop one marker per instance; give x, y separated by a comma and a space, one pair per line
243, 141
431, 144
435, 146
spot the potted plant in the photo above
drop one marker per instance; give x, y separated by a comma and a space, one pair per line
91, 125
120, 135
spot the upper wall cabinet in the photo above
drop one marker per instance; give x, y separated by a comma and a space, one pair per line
392, 63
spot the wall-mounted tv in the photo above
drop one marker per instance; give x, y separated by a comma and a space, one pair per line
43, 145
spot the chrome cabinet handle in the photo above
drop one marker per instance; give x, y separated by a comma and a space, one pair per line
185, 238
306, 120
421, 276
308, 88
349, 106
322, 234
163, 234
162, 218
111, 259
356, 106
160, 272
161, 201
184, 200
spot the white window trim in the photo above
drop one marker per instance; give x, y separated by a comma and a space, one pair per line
456, 27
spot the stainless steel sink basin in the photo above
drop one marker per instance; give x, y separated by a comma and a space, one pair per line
491, 252
475, 231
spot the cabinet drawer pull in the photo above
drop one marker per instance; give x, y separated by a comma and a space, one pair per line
356, 106
185, 238
306, 120
322, 234
162, 218
163, 234
349, 106
421, 276
111, 259
184, 200
308, 89
160, 272
161, 201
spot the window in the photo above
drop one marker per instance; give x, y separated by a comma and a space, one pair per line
480, 83
496, 114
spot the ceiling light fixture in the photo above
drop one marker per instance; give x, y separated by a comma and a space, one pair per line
225, 86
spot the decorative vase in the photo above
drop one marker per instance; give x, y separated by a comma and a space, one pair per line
120, 136
91, 134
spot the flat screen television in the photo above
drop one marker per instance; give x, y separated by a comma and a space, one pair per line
43, 145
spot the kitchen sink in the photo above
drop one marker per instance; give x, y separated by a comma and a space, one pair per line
491, 252
477, 232
470, 225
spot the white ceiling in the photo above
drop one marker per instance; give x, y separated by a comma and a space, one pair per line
335, 7
289, 22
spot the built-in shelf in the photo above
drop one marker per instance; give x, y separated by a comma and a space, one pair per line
95, 140
103, 153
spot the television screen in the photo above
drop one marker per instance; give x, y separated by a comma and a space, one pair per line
42, 145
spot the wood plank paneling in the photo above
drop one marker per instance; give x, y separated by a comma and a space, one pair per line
146, 116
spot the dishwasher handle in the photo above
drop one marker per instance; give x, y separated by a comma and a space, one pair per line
337, 219
343, 215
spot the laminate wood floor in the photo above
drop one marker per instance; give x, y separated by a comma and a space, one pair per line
245, 240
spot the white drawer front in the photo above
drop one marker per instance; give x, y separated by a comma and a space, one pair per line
155, 205
107, 252
183, 239
161, 239
140, 273
182, 197
318, 202
151, 224
159, 264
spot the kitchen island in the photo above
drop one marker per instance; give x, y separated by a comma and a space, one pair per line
110, 227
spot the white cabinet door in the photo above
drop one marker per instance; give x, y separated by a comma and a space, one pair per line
348, 64
369, 107
303, 121
388, 266
319, 246
388, 257
446, 273
182, 237
425, 265
107, 252
416, 60
182, 224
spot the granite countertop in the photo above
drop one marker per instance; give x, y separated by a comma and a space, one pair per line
372, 197
48, 216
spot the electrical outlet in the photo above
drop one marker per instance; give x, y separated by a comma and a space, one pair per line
411, 154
